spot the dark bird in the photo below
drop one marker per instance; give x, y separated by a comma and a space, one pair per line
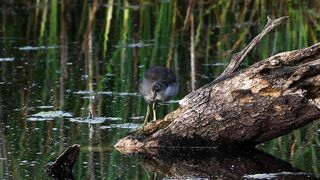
159, 85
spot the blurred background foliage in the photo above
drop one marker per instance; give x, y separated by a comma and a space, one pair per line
81, 56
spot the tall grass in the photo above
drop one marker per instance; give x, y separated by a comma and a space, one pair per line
109, 46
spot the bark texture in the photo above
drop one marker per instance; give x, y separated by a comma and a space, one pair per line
266, 100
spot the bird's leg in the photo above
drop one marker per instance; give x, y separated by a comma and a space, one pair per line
154, 105
147, 116
154, 111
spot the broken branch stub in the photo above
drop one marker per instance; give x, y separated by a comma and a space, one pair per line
239, 57
62, 167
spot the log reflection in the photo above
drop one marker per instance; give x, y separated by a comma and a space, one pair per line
208, 163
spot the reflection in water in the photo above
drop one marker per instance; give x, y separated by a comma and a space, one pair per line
210, 163
88, 56
194, 164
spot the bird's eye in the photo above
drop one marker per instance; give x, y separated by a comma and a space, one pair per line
156, 88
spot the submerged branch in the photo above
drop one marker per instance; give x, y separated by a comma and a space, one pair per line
62, 167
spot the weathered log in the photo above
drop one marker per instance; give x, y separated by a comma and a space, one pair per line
266, 100
62, 167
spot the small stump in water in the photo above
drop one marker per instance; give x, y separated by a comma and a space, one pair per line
62, 167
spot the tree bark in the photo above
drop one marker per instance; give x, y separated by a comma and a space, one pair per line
244, 108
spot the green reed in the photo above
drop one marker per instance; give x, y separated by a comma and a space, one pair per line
221, 28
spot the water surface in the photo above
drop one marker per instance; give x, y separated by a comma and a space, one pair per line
60, 60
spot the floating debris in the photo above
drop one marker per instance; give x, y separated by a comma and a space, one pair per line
88, 97
114, 118
107, 93
128, 94
84, 92
48, 115
45, 107
8, 59
53, 114
32, 48
134, 45
110, 75
273, 175
122, 126
216, 64
94, 120
136, 117
139, 45
39, 119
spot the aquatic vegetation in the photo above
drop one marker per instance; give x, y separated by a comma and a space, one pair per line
85, 57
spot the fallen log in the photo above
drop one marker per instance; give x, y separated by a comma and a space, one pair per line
243, 108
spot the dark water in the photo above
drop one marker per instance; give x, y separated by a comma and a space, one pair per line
60, 60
